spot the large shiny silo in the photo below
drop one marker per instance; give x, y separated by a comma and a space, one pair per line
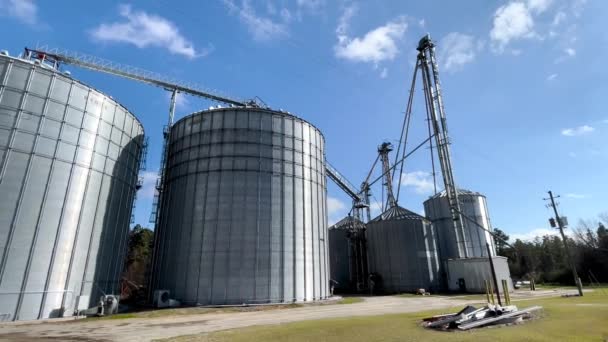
402, 252
348, 255
243, 214
473, 205
69, 158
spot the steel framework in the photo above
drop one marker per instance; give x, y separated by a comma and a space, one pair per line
383, 151
360, 197
54, 57
427, 64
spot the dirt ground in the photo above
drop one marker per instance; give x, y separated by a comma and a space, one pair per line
148, 329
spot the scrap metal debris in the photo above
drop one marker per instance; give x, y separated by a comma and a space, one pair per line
470, 317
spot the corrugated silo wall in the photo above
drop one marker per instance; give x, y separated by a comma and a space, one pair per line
404, 254
348, 259
69, 158
340, 257
243, 217
472, 205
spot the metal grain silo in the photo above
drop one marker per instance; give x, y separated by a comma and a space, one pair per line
348, 255
243, 214
473, 205
69, 158
402, 252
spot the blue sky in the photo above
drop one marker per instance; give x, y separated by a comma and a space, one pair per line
524, 83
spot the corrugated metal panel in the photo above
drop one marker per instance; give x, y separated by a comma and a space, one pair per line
475, 271
243, 215
473, 205
402, 250
67, 179
348, 255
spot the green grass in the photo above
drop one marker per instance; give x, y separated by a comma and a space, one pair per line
475, 297
350, 300
95, 318
549, 287
191, 311
563, 319
120, 316
201, 310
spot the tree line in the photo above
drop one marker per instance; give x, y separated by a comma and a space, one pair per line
137, 264
544, 258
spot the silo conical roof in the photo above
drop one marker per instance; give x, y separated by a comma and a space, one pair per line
348, 222
397, 213
459, 191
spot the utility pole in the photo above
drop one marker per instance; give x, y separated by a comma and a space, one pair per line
561, 230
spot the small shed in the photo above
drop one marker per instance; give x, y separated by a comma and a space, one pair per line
469, 274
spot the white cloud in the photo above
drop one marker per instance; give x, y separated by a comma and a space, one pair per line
334, 206
420, 181
456, 50
143, 30
539, 6
285, 15
578, 6
375, 46
148, 188
384, 73
311, 5
24, 10
261, 28
271, 8
551, 77
344, 22
422, 23
576, 196
537, 232
576, 131
558, 18
511, 22
375, 209
182, 102
605, 121
537, 19
570, 52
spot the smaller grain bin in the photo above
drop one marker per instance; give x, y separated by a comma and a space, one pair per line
402, 252
473, 205
348, 255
